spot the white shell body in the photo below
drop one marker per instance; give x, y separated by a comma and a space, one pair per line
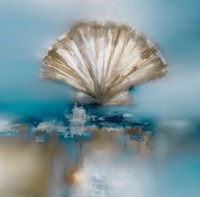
103, 60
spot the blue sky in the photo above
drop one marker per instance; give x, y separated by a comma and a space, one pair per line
28, 28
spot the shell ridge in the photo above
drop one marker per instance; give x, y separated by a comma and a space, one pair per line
79, 61
119, 61
141, 76
57, 75
113, 43
100, 50
59, 63
90, 66
71, 69
87, 64
130, 56
68, 54
107, 51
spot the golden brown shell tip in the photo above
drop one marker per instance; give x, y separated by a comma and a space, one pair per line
103, 60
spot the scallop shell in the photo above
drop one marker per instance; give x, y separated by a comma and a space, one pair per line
103, 60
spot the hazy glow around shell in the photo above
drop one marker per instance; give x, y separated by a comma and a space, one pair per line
103, 60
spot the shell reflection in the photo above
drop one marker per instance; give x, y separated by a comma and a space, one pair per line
53, 168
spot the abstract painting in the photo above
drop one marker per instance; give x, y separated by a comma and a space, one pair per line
99, 98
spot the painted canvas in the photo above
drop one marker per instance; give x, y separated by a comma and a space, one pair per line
99, 98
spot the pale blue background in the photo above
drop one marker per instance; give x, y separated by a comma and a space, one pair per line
28, 28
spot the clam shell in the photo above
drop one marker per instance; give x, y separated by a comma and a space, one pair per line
103, 60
